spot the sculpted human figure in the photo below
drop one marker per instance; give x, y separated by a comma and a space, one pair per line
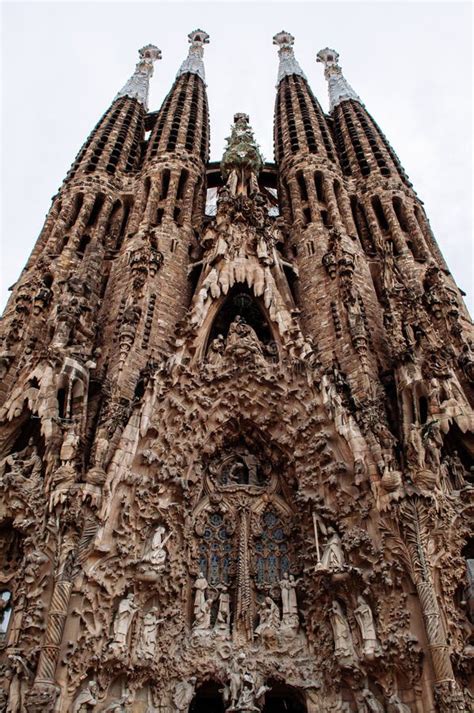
373, 705
365, 621
415, 449
433, 442
216, 350
203, 619
242, 338
247, 698
123, 619
147, 642
288, 595
122, 705
433, 396
223, 613
86, 699
200, 585
457, 471
333, 556
183, 694
19, 684
250, 465
269, 616
343, 644
24, 464
155, 553
235, 679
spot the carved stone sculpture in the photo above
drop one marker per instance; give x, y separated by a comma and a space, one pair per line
365, 620
333, 556
343, 644
122, 622
183, 694
87, 699
148, 635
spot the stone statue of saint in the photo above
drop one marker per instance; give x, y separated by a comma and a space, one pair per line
183, 694
223, 612
216, 350
288, 601
20, 678
343, 644
23, 465
123, 619
235, 679
155, 553
200, 585
457, 471
147, 642
415, 450
269, 617
203, 619
87, 699
372, 703
365, 621
242, 338
333, 556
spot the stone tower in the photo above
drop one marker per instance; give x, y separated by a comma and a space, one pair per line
235, 433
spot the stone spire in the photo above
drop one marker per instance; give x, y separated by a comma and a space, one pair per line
137, 85
339, 88
288, 63
242, 150
193, 62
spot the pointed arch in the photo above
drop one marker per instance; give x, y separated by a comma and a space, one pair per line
239, 301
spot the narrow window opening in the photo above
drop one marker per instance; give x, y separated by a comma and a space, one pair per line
318, 184
302, 186
181, 184
325, 219
165, 183
399, 209
423, 409
379, 213
62, 397
362, 227
78, 201
84, 242
292, 282
97, 207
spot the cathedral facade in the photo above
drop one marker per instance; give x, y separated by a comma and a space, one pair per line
235, 422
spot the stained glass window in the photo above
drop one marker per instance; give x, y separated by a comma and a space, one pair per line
215, 550
271, 550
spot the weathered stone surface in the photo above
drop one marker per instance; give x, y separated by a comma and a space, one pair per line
235, 448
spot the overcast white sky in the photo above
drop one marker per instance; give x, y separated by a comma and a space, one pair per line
410, 62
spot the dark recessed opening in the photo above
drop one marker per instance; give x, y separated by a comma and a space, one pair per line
208, 699
283, 699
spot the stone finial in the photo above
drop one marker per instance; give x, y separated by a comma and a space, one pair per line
288, 63
137, 85
193, 62
339, 89
241, 151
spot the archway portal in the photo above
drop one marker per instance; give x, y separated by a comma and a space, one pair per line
240, 302
208, 699
283, 699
